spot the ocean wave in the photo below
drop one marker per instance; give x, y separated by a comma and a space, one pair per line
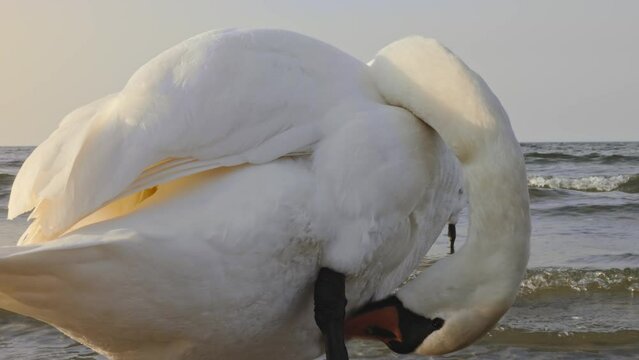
548, 157
524, 337
540, 280
542, 193
6, 180
624, 183
11, 163
619, 210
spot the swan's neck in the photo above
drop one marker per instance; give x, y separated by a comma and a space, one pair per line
499, 229
488, 269
473, 288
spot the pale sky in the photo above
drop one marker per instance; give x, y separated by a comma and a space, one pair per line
564, 70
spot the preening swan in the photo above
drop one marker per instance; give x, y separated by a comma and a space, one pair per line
248, 186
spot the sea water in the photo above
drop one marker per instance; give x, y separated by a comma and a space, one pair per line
580, 297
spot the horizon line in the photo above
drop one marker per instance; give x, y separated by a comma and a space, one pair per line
520, 142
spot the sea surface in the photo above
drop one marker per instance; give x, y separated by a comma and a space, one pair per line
580, 297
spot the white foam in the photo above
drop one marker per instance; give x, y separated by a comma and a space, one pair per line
581, 280
588, 183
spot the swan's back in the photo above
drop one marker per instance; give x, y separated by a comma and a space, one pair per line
218, 99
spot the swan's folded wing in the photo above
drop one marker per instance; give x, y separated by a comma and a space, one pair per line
49, 163
218, 99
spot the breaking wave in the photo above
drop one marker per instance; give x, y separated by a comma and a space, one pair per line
580, 280
624, 183
549, 157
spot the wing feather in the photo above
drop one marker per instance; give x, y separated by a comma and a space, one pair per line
218, 99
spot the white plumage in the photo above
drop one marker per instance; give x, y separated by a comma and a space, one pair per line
187, 215
218, 99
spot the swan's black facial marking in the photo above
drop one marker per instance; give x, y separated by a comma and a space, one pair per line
414, 329
389, 321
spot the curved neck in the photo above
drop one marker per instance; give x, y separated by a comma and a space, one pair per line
473, 288
424, 77
497, 190
488, 269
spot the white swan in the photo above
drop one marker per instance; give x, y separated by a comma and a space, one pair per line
188, 215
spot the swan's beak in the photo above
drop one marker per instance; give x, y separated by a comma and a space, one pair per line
390, 322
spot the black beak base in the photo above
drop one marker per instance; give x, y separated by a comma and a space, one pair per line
408, 329
414, 329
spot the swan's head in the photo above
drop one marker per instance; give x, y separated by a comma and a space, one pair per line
461, 328
428, 332
402, 330
447, 307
